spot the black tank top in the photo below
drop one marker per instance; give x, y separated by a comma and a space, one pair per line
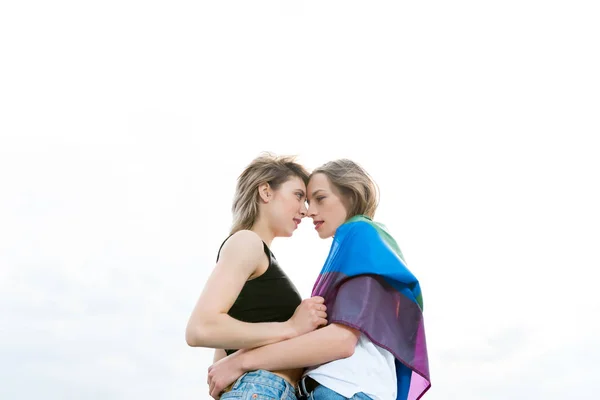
270, 297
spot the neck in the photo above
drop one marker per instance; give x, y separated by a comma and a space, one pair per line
264, 232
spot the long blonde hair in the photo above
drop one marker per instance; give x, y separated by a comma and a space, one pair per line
266, 168
359, 191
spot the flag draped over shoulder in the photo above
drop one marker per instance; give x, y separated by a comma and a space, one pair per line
367, 286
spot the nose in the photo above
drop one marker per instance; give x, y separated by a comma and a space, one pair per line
311, 211
303, 210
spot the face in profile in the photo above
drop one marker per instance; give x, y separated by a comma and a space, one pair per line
326, 208
287, 206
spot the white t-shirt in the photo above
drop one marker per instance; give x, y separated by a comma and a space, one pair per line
371, 370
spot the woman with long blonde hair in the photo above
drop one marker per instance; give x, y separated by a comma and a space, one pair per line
248, 300
373, 347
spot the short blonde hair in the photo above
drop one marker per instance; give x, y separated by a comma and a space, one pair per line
359, 191
266, 168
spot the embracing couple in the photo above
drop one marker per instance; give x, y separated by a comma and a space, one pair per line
360, 336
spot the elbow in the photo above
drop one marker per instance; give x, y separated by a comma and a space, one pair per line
348, 347
205, 331
197, 335
193, 337
348, 341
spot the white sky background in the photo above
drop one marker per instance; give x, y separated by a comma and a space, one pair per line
123, 126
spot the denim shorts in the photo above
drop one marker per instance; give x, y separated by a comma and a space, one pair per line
324, 393
260, 385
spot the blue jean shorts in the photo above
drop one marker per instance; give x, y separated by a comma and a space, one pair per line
324, 393
260, 385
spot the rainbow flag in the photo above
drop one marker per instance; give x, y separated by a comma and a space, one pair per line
367, 286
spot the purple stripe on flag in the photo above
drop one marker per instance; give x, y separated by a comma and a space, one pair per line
386, 316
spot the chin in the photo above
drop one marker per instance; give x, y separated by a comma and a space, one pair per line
283, 233
324, 235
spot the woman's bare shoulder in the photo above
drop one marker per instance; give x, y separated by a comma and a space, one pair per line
245, 244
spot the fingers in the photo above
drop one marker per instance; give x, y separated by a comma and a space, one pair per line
321, 314
319, 310
212, 386
215, 392
322, 322
314, 303
211, 389
318, 306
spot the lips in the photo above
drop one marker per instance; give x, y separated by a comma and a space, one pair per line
297, 221
318, 224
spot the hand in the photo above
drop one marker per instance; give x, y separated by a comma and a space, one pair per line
309, 315
223, 373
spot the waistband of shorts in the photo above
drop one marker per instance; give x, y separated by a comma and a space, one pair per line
267, 378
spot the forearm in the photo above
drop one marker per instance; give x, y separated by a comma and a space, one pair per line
225, 332
318, 347
219, 354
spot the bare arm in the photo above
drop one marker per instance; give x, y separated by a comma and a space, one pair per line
318, 347
209, 325
219, 354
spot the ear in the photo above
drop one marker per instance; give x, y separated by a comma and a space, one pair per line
265, 192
